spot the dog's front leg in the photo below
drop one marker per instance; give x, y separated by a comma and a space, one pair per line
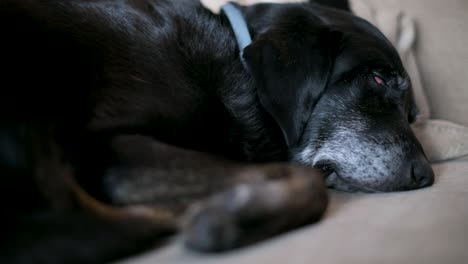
277, 197
221, 204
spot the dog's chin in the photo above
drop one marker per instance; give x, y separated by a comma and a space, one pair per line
334, 181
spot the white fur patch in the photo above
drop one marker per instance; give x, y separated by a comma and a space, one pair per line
360, 161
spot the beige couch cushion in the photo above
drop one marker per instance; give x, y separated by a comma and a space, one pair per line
428, 226
442, 140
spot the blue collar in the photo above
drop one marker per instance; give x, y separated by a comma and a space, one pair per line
239, 26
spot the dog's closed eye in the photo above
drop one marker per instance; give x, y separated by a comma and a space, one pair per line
379, 80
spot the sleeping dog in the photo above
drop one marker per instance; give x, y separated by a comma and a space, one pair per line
123, 122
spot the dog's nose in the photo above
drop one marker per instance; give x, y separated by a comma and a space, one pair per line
422, 174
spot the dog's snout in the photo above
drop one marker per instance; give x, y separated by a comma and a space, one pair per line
421, 174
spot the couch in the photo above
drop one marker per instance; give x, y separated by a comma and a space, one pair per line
423, 226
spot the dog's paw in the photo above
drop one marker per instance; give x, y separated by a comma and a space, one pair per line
212, 230
255, 209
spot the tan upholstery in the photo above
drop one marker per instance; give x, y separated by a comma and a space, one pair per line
428, 226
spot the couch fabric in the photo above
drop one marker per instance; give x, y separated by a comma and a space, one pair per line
424, 226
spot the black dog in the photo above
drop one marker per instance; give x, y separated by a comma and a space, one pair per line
145, 105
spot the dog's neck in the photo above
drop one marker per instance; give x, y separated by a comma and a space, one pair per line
232, 122
235, 124
254, 131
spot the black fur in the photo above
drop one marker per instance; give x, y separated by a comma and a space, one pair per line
146, 105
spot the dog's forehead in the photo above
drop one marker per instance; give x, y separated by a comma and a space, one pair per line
349, 23
361, 41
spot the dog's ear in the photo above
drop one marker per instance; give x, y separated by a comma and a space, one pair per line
291, 69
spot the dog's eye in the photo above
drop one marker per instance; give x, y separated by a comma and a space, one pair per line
379, 80
378, 77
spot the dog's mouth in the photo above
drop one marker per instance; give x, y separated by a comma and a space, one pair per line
326, 168
334, 180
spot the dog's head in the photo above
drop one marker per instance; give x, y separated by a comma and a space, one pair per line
338, 90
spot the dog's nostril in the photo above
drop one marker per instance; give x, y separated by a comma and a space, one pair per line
422, 174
